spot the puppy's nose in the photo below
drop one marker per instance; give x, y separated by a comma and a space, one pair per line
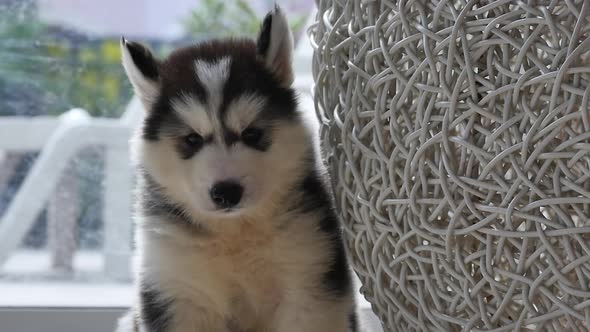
226, 194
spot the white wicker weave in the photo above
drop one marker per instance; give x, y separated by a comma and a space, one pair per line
457, 134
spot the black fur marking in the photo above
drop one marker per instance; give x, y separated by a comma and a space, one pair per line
230, 138
248, 74
337, 278
262, 143
188, 151
353, 323
153, 200
255, 138
143, 59
316, 197
155, 313
233, 325
162, 119
264, 37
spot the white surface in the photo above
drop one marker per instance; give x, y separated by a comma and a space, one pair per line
26, 133
64, 294
26, 280
118, 186
76, 294
36, 263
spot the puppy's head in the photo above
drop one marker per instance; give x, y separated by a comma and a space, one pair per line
221, 134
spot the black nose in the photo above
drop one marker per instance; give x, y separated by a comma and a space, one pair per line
226, 194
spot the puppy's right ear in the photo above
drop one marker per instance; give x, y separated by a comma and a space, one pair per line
142, 69
275, 45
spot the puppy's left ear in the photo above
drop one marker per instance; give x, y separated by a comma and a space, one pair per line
275, 45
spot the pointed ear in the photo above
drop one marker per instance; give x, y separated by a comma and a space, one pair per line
275, 45
142, 70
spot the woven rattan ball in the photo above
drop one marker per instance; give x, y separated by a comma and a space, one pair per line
457, 134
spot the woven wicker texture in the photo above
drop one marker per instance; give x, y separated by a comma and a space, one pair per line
458, 138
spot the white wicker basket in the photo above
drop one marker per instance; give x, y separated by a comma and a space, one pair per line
457, 134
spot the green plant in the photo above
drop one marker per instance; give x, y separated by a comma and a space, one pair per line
43, 71
224, 18
20, 93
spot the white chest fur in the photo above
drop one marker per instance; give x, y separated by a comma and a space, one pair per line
239, 275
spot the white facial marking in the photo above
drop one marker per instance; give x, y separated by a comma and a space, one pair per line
194, 114
243, 110
213, 76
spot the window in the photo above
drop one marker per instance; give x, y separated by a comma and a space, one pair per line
66, 113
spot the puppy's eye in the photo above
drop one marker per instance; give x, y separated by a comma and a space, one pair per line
252, 136
193, 140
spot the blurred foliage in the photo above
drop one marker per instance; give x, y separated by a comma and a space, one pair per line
225, 18
47, 70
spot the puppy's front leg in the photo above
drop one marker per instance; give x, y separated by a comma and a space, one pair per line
164, 314
196, 319
324, 317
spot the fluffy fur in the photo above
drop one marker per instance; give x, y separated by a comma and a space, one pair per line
263, 253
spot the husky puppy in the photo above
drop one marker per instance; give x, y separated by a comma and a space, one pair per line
235, 228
